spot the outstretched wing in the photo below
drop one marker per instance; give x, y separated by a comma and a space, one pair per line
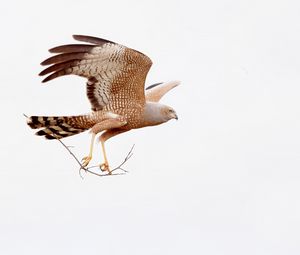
114, 72
156, 91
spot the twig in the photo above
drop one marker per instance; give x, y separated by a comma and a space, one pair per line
87, 169
119, 167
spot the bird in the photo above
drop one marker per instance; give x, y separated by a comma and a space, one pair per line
115, 87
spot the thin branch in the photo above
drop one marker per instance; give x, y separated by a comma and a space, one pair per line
87, 169
119, 167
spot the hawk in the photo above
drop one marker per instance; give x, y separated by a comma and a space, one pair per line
115, 88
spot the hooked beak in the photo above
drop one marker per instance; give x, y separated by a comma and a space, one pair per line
175, 116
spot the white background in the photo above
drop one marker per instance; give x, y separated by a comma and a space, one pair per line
224, 179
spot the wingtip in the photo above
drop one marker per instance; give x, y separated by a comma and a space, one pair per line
175, 83
45, 80
81, 37
91, 39
76, 36
53, 50
45, 71
44, 63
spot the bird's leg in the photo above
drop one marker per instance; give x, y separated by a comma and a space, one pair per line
105, 136
104, 166
86, 160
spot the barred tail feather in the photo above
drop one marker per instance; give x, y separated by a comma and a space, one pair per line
60, 127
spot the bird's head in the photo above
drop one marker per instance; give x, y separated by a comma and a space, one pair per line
156, 113
168, 113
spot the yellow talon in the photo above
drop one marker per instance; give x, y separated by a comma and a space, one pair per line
86, 160
104, 167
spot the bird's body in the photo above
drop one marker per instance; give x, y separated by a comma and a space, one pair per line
116, 77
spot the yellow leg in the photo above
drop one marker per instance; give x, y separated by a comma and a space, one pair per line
104, 166
104, 137
86, 160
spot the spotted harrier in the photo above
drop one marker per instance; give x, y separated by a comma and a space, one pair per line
115, 88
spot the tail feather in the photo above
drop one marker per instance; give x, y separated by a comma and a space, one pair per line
60, 127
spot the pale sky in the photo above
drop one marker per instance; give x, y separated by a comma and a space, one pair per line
222, 180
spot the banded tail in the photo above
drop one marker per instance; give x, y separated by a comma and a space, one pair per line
60, 127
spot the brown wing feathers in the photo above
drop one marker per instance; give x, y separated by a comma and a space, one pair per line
91, 39
65, 57
109, 67
59, 66
69, 48
72, 56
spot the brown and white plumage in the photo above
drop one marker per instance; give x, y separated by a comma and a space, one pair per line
115, 88
113, 70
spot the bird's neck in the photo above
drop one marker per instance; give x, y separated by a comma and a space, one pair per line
152, 114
